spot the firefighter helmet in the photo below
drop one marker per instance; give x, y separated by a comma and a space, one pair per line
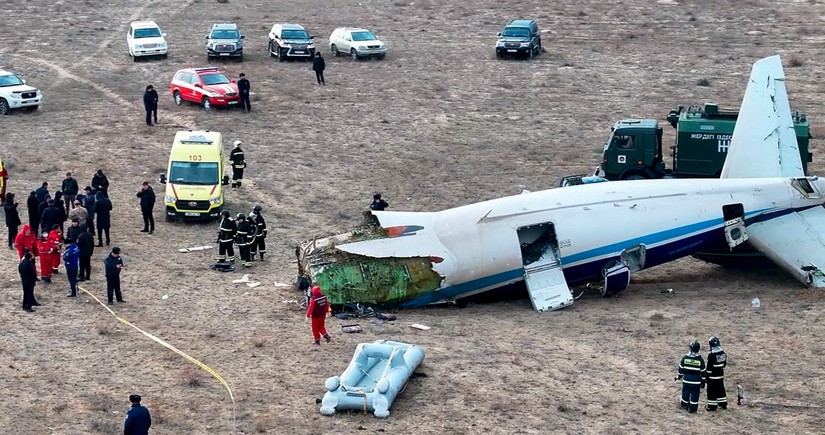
240, 216
694, 346
225, 213
713, 341
257, 208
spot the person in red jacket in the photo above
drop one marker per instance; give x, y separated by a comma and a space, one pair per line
56, 237
317, 310
45, 250
26, 240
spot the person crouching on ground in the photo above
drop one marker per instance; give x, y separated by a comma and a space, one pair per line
317, 311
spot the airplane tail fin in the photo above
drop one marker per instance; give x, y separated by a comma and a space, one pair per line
764, 141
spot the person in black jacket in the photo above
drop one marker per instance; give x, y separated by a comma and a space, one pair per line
692, 374
28, 276
259, 244
715, 374
150, 103
101, 183
113, 264
138, 421
72, 232
318, 65
147, 203
89, 205
226, 238
86, 247
51, 217
58, 202
378, 204
42, 192
41, 207
33, 208
238, 160
69, 189
12, 218
103, 214
244, 238
243, 89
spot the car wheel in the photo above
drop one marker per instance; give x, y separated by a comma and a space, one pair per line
281, 54
178, 98
134, 58
530, 54
335, 51
206, 104
4, 107
240, 58
31, 109
353, 54
269, 49
381, 57
164, 56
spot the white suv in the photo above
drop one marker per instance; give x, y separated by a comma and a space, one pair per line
356, 42
145, 39
15, 94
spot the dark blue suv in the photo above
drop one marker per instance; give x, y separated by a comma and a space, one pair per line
519, 38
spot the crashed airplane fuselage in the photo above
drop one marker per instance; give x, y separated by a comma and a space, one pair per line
597, 232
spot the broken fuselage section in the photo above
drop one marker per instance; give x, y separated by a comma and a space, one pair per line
349, 278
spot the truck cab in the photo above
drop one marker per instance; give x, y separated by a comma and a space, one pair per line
195, 176
633, 151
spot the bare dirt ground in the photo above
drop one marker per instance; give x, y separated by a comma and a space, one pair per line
439, 123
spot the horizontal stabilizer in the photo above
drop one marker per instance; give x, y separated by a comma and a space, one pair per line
764, 144
796, 242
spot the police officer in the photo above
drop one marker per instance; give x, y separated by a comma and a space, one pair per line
113, 264
691, 372
715, 374
226, 238
238, 164
138, 420
244, 239
243, 89
259, 245
378, 204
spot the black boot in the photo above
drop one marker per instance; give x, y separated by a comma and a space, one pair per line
327, 338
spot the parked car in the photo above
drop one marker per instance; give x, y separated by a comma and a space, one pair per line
291, 41
225, 40
519, 38
16, 94
356, 42
145, 39
205, 86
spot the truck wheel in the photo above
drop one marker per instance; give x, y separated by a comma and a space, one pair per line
4, 107
178, 98
334, 50
635, 176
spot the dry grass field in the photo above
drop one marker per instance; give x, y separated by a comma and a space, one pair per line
439, 123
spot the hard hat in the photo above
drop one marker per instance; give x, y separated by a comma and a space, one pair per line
225, 213
240, 216
713, 341
257, 208
237, 142
694, 346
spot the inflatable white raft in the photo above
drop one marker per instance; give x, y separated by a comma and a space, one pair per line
377, 373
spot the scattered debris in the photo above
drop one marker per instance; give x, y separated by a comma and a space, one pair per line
222, 267
387, 317
165, 297
244, 278
195, 248
253, 284
351, 329
756, 303
280, 284
420, 326
740, 395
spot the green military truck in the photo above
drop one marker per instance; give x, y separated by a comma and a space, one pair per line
703, 134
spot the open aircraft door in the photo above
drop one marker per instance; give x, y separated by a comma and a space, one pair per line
543, 275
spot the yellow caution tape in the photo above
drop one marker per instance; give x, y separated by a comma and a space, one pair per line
208, 369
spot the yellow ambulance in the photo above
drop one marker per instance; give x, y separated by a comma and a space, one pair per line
195, 176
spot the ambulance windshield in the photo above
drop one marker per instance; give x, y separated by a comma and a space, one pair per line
198, 173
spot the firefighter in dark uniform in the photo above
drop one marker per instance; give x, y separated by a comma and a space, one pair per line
691, 372
259, 245
238, 164
226, 238
715, 375
244, 239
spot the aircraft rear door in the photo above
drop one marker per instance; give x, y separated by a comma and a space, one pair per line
542, 269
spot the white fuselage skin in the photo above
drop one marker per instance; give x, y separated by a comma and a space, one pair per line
594, 223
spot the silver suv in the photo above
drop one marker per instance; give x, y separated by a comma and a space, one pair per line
225, 40
290, 40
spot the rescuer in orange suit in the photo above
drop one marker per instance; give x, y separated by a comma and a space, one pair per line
317, 311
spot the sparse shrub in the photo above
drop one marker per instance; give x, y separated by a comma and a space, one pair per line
703, 82
192, 377
795, 61
401, 3
104, 328
658, 317
106, 426
581, 13
562, 406
258, 342
223, 1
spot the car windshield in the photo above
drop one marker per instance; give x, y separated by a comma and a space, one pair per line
294, 34
10, 80
224, 34
518, 32
214, 79
153, 32
363, 36
198, 173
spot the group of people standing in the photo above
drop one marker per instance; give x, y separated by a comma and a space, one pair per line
695, 373
248, 232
